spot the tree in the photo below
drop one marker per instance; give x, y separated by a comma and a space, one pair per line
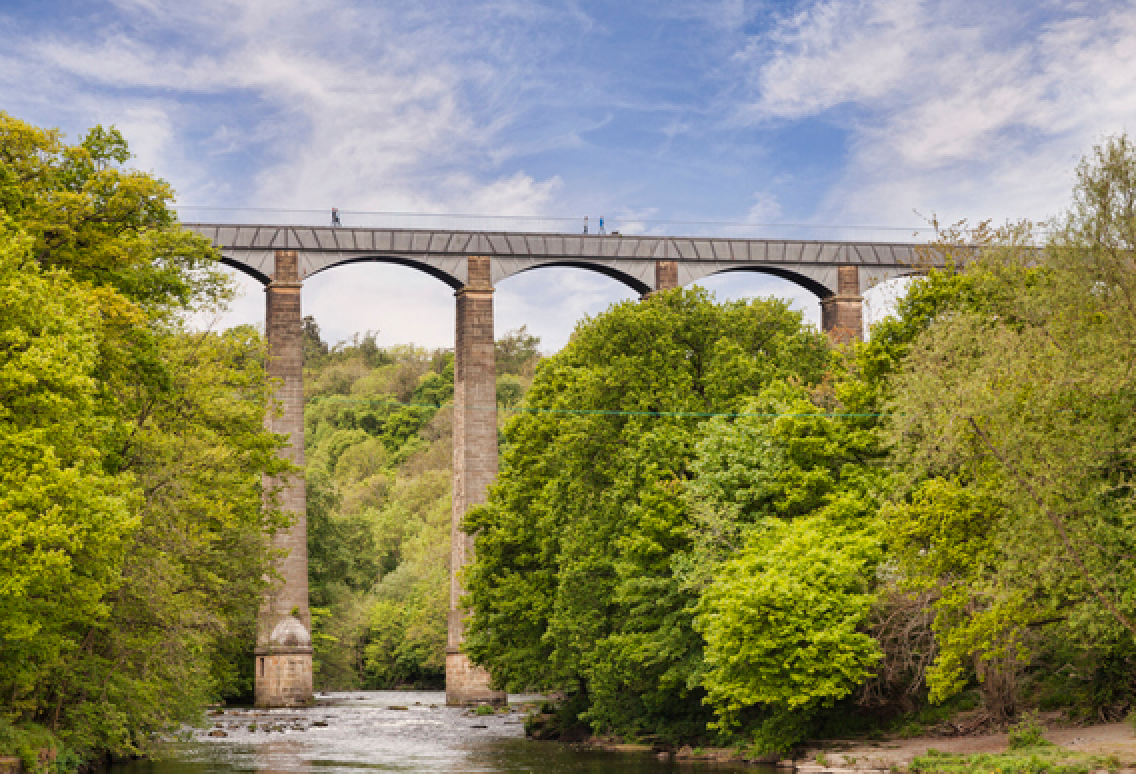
1014, 425
66, 522
515, 351
135, 451
574, 586
785, 548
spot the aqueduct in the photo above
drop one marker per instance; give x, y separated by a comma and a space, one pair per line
472, 263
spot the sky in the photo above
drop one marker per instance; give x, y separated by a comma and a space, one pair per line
829, 119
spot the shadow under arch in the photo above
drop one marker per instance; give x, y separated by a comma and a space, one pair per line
246, 270
800, 280
397, 260
635, 284
425, 268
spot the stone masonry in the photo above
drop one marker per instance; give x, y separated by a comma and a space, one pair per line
283, 641
841, 315
666, 275
475, 464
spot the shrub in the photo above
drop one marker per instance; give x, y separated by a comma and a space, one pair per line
1028, 733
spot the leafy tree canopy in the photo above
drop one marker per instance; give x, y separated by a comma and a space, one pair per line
574, 585
134, 540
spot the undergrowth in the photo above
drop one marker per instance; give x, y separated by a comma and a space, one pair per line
39, 750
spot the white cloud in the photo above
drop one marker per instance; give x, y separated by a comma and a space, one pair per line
551, 301
831, 53
367, 109
765, 208
955, 108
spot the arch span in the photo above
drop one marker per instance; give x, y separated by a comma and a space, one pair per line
398, 260
246, 269
817, 288
622, 277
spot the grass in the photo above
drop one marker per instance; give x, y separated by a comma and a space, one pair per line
1026, 760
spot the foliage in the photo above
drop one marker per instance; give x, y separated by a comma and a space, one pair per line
1044, 760
407, 618
134, 542
39, 750
782, 620
786, 546
574, 585
1013, 422
66, 522
517, 353
1028, 733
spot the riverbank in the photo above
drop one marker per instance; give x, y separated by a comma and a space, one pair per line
1107, 747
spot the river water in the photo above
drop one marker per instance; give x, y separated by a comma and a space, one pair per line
360, 733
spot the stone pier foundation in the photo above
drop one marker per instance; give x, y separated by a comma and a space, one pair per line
842, 315
475, 464
283, 639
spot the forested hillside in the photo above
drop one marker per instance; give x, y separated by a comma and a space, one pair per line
378, 423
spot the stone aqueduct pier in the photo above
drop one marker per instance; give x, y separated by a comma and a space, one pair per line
470, 262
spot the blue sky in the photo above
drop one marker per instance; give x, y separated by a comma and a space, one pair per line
822, 118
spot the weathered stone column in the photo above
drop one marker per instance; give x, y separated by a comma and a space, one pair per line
842, 315
475, 464
666, 275
283, 640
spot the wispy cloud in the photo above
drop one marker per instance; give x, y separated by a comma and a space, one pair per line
964, 109
381, 108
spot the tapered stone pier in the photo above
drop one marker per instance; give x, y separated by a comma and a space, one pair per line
283, 638
666, 275
842, 315
475, 465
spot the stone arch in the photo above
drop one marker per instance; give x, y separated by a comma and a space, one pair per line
813, 286
437, 272
596, 267
247, 269
819, 280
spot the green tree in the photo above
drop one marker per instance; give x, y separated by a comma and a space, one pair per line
1013, 423
574, 585
785, 548
784, 620
136, 464
66, 521
516, 351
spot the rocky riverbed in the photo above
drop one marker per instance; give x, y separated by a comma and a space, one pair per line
403, 731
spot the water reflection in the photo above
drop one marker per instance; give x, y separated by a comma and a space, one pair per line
399, 731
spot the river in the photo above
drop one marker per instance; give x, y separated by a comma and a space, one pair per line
360, 733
